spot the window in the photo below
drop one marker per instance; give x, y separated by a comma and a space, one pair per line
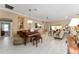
5, 27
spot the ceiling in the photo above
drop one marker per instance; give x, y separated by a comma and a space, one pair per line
48, 11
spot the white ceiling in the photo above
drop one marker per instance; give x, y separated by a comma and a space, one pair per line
52, 11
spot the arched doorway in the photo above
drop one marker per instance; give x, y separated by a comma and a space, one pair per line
5, 26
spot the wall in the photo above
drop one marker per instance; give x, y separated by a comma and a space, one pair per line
15, 23
5, 14
60, 22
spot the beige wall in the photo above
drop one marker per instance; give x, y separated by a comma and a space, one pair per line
5, 14
15, 23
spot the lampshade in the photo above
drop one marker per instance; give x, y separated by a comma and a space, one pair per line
38, 25
29, 21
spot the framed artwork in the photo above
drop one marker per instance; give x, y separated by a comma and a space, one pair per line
37, 25
21, 22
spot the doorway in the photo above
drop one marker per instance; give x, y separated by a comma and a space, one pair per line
5, 29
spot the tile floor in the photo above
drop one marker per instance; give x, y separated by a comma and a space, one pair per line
49, 46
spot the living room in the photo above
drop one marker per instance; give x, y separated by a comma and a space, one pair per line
19, 22
38, 28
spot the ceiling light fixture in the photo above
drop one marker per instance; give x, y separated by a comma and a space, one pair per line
29, 21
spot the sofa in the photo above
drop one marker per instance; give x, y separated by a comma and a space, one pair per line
58, 35
17, 40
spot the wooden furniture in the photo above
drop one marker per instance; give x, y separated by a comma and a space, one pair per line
77, 38
23, 35
30, 36
2, 33
36, 38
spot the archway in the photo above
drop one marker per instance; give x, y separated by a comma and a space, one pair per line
5, 27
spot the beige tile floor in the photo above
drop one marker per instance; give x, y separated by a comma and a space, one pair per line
49, 46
